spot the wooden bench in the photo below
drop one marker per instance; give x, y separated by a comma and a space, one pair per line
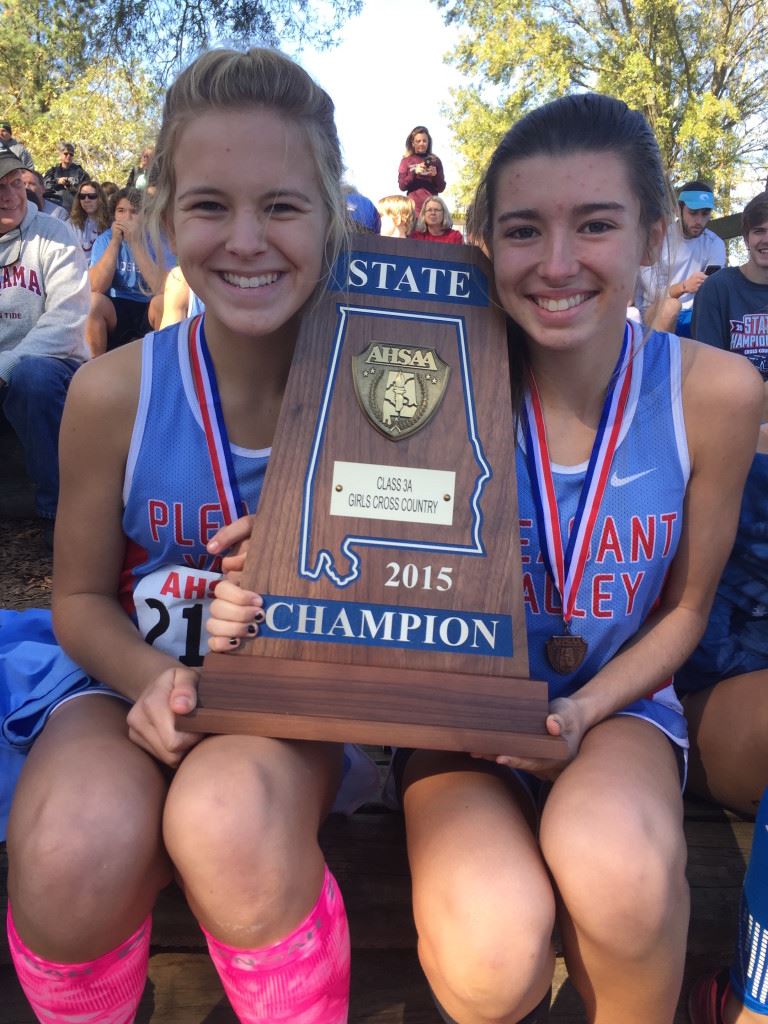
367, 855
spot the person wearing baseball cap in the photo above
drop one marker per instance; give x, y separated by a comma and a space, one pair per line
64, 178
44, 298
666, 291
8, 143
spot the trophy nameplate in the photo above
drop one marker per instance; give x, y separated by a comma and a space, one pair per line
386, 540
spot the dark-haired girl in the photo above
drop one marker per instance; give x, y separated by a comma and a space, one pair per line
631, 456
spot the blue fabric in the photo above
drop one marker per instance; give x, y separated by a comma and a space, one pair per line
170, 513
638, 528
736, 639
683, 326
698, 200
11, 763
34, 675
127, 282
749, 973
362, 211
33, 403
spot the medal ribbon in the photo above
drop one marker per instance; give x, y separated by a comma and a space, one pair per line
217, 440
567, 567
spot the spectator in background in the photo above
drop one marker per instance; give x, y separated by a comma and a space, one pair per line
421, 172
731, 307
33, 182
123, 276
435, 224
43, 305
63, 179
725, 697
398, 216
8, 143
138, 177
89, 216
362, 212
109, 188
691, 250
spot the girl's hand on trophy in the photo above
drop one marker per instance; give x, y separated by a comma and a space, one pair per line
231, 542
564, 720
235, 616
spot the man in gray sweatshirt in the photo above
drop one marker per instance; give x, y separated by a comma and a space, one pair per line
44, 299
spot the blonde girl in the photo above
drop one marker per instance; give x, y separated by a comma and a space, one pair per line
163, 442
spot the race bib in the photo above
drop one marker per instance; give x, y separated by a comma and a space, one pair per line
172, 607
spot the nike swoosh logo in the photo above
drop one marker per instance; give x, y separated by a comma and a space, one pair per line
621, 481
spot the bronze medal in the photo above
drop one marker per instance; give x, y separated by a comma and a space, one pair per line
566, 652
566, 565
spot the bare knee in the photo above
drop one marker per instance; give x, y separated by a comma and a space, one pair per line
242, 846
621, 874
492, 955
101, 319
85, 872
221, 804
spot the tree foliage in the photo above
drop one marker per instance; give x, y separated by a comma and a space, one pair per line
44, 47
171, 31
110, 113
697, 70
92, 72
57, 82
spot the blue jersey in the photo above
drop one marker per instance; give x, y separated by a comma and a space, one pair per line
171, 507
635, 538
127, 282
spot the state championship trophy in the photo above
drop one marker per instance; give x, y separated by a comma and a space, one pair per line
386, 540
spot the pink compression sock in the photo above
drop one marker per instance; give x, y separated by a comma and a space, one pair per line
102, 991
303, 978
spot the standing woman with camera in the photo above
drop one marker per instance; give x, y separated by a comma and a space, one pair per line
421, 172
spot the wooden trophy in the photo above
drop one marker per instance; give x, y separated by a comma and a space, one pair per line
386, 540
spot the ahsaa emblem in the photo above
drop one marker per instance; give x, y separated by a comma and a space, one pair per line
399, 387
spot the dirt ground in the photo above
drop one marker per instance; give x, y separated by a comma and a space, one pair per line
25, 565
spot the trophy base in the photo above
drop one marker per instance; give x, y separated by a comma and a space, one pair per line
307, 700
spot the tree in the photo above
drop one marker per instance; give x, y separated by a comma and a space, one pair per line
171, 31
110, 113
697, 70
44, 47
56, 83
91, 72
